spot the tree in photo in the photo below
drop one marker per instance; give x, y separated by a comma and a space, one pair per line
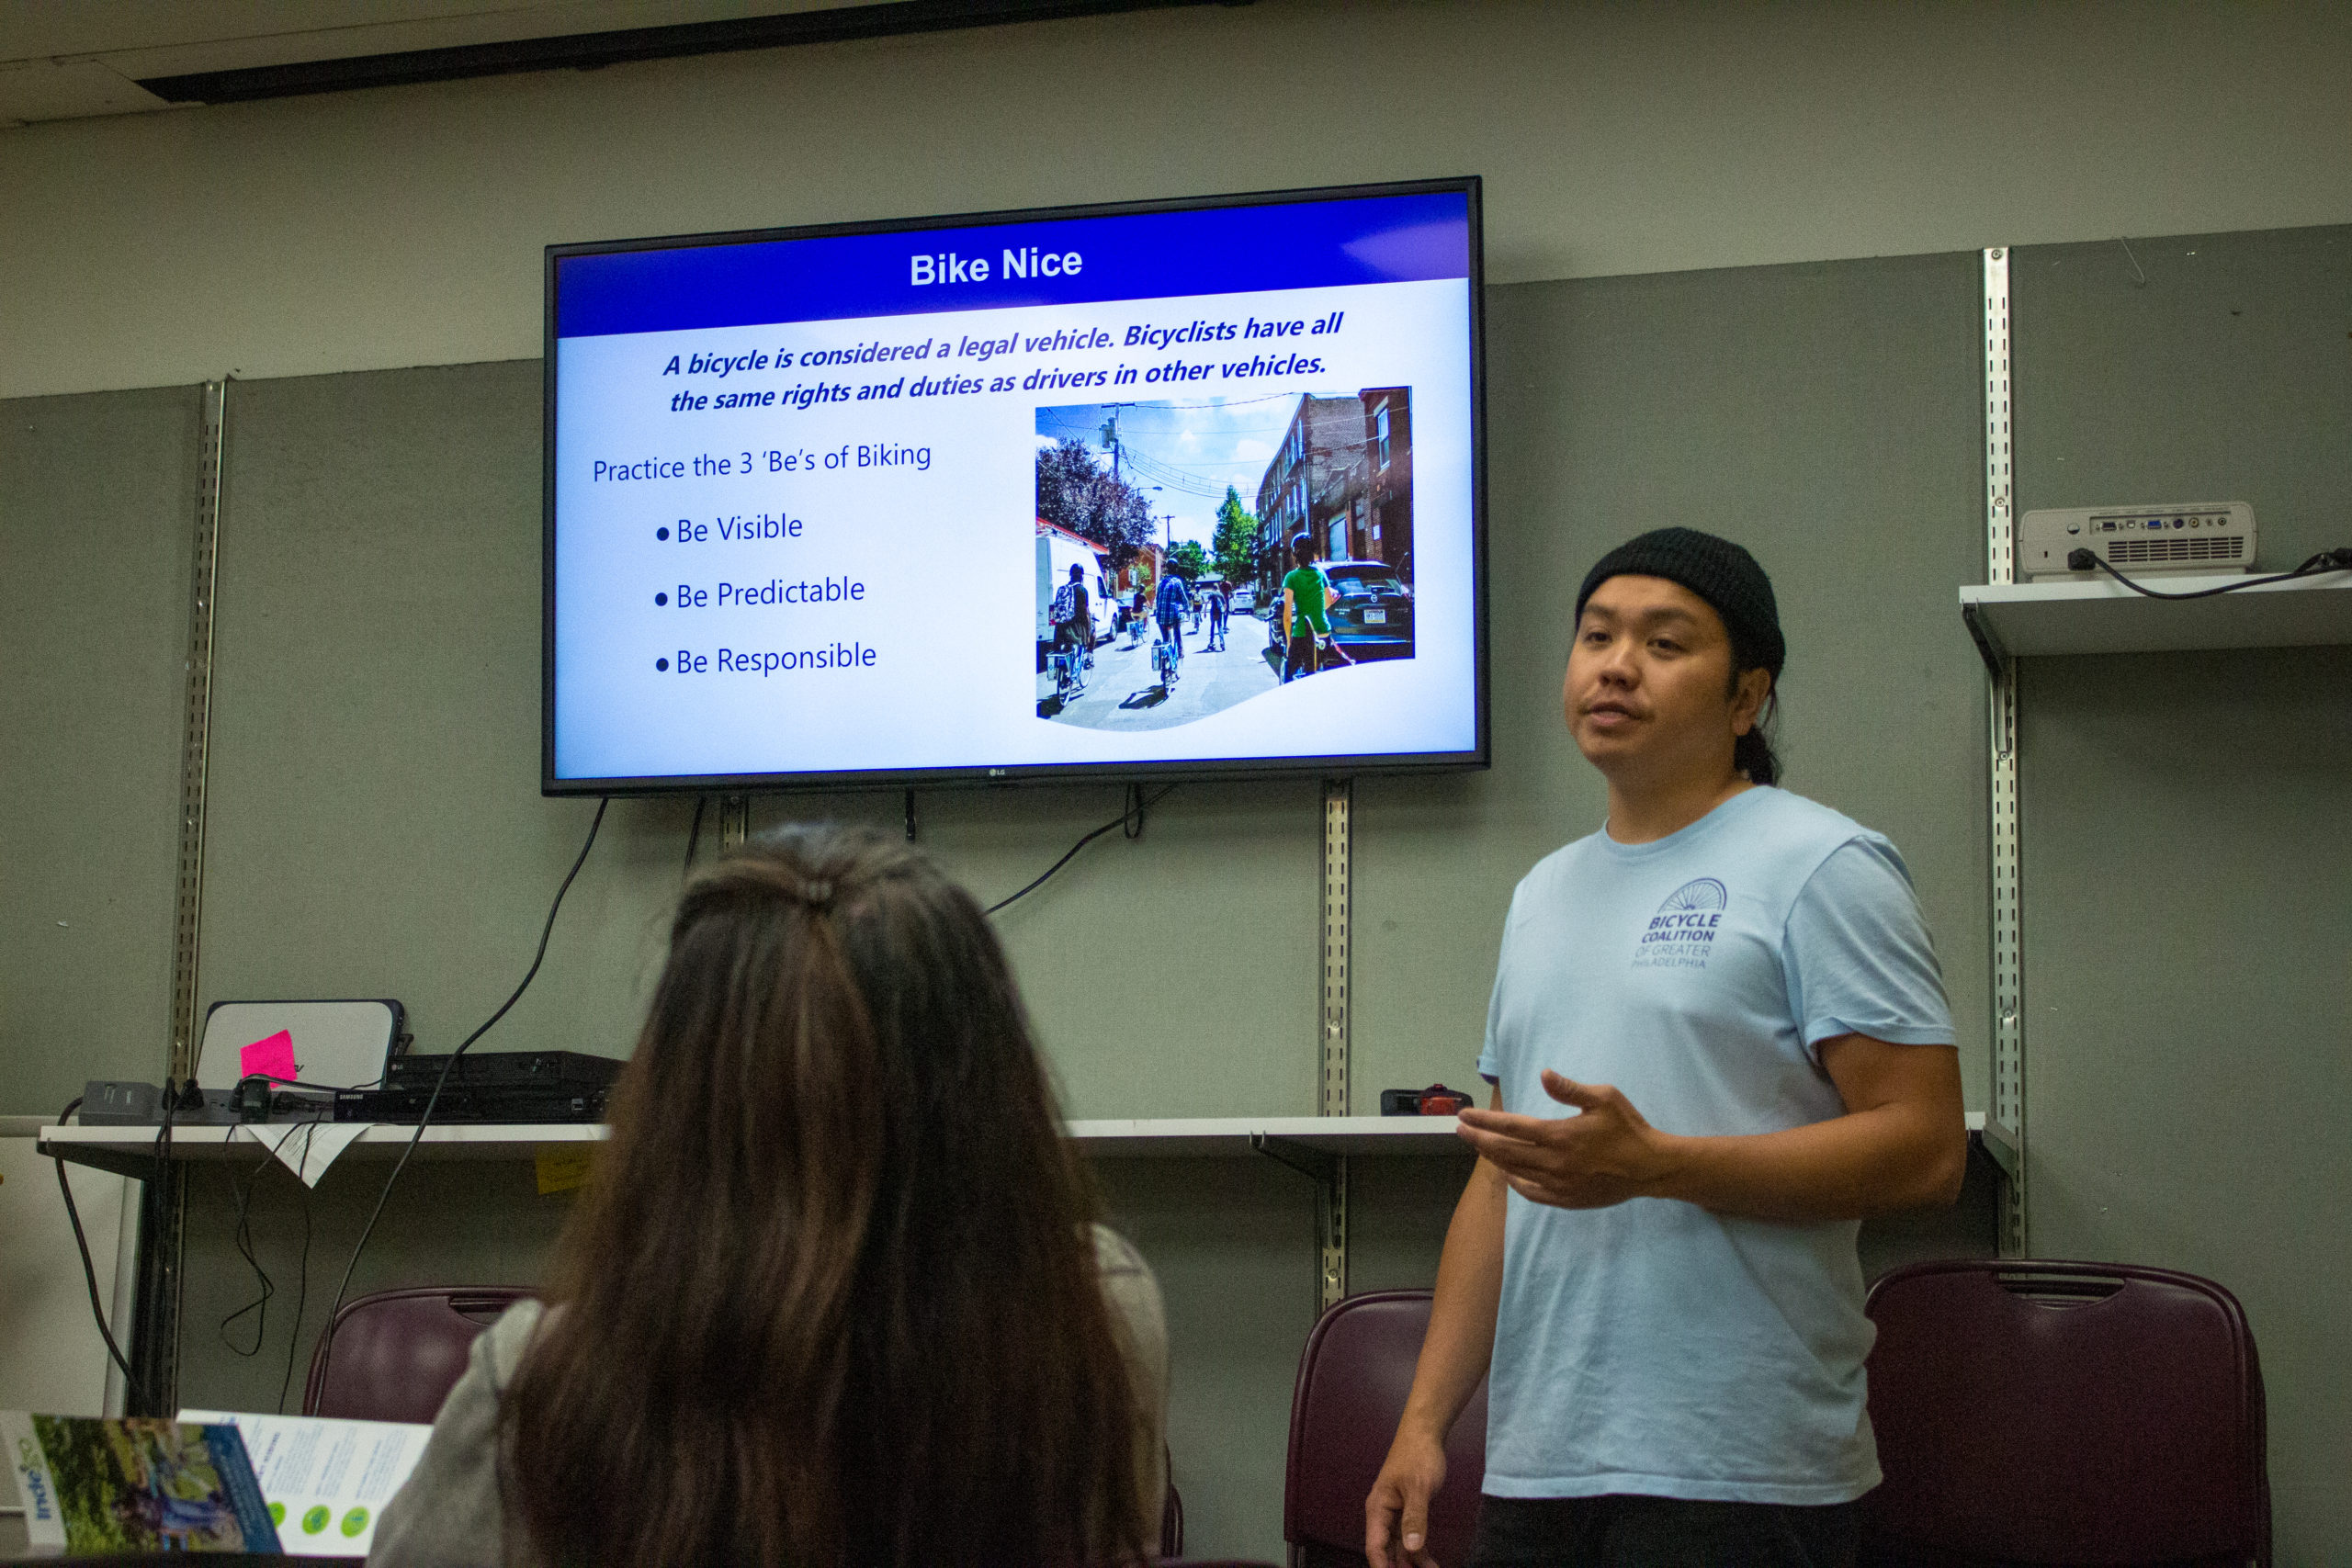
1235, 544
1189, 561
1076, 492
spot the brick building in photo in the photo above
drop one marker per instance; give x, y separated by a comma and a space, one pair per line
1343, 474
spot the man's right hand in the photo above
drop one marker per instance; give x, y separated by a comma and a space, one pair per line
1396, 1515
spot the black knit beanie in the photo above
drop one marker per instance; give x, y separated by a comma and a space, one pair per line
1717, 570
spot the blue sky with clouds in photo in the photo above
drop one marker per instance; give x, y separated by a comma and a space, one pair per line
1191, 448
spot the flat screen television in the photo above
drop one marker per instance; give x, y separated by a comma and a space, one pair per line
1018, 495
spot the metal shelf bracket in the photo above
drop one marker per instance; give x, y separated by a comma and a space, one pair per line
2001, 749
154, 1331
1331, 1208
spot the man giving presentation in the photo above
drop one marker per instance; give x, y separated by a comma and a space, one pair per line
1718, 1039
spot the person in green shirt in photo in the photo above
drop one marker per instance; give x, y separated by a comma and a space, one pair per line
1302, 614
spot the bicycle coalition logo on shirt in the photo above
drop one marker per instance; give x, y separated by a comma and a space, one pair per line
1682, 932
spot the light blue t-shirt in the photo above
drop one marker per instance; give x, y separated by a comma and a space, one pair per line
1653, 1346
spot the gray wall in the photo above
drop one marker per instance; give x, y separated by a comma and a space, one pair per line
368, 230
98, 515
2186, 853
376, 829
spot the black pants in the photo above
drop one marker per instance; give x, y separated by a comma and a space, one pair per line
1661, 1532
1301, 659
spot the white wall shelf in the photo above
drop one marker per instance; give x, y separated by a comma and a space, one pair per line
1162, 1137
2026, 620
130, 1151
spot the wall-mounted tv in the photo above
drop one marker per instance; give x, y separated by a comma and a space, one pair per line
821, 504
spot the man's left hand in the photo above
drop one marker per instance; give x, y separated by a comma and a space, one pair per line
1603, 1155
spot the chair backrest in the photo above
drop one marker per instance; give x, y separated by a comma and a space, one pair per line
2049, 1412
1352, 1380
395, 1355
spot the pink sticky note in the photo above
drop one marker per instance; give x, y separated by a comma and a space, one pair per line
270, 1058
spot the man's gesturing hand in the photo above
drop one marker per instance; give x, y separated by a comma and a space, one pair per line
1603, 1155
1396, 1514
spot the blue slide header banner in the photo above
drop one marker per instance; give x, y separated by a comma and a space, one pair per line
1141, 255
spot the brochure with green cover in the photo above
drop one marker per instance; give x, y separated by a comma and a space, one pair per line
325, 1480
134, 1484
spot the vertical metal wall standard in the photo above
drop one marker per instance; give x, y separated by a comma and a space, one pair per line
196, 734
1338, 795
734, 821
2008, 945
155, 1332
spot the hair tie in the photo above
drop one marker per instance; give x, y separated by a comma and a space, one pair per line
816, 893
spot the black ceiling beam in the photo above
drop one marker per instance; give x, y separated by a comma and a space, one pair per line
586, 52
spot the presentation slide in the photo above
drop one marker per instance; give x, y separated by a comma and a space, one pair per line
1015, 498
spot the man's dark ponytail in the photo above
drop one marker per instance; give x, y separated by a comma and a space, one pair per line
1752, 753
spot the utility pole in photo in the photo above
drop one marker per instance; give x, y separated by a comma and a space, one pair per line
1111, 434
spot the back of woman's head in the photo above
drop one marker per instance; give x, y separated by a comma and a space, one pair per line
830, 1297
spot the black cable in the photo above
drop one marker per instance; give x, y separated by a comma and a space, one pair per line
2326, 560
301, 1283
164, 1123
89, 1270
243, 1240
694, 834
1130, 816
276, 1083
162, 1194
438, 1084
242, 1237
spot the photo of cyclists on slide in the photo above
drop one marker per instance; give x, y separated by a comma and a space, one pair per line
1148, 553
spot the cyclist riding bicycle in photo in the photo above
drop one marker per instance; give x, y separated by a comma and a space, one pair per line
1073, 617
1136, 617
1173, 603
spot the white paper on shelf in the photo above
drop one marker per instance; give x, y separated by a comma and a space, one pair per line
327, 1481
306, 1148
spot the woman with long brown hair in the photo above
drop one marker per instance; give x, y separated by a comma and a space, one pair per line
835, 1296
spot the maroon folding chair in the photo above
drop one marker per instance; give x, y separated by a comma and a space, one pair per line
2032, 1413
395, 1355
1352, 1380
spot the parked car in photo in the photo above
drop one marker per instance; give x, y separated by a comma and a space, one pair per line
1370, 608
